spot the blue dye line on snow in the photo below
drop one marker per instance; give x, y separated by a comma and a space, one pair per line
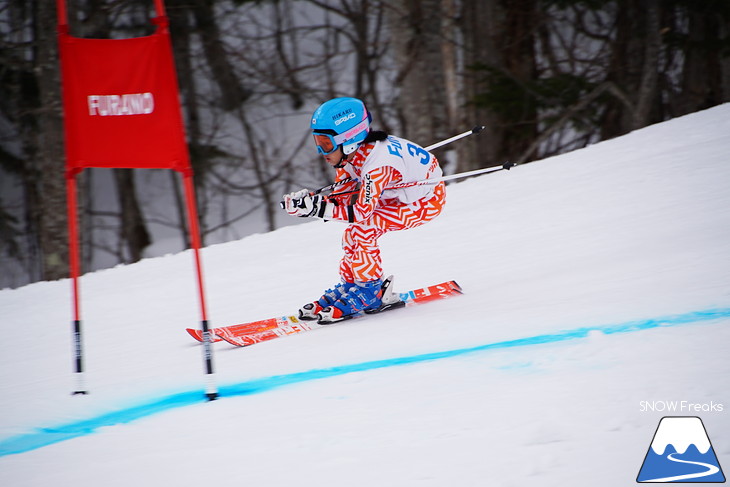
41, 437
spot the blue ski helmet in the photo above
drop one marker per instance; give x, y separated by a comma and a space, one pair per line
340, 122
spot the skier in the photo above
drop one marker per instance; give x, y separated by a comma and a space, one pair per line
374, 161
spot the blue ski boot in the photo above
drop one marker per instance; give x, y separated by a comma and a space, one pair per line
310, 311
366, 297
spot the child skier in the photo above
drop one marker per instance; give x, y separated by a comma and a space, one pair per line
374, 161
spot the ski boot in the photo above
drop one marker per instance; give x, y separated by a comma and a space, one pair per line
368, 297
310, 311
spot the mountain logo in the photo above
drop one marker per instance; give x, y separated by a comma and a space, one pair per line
681, 452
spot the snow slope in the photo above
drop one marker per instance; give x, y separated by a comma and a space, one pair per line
597, 291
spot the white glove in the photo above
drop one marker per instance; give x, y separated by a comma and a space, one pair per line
289, 200
304, 205
300, 203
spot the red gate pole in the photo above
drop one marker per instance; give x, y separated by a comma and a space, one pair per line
61, 12
160, 8
211, 390
74, 261
73, 246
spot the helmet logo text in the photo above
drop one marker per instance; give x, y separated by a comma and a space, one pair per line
344, 119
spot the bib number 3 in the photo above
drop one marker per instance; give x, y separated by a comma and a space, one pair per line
395, 148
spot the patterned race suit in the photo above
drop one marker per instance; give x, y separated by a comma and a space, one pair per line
377, 210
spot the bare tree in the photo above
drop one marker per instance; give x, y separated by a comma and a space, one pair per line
52, 218
499, 64
416, 30
705, 76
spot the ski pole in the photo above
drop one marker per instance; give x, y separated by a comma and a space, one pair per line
501, 167
475, 130
486, 170
506, 166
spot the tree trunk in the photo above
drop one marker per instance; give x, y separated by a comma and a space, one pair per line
478, 22
232, 94
51, 216
625, 68
498, 38
517, 52
647, 93
705, 81
451, 69
422, 105
133, 230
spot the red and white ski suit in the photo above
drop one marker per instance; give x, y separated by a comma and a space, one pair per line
376, 209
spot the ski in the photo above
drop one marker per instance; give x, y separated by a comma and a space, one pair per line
245, 334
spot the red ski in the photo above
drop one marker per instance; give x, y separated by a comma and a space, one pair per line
260, 331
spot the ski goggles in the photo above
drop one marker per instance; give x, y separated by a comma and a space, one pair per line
326, 143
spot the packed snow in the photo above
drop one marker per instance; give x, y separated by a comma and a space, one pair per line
596, 301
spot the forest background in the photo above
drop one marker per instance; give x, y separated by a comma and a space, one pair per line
543, 76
